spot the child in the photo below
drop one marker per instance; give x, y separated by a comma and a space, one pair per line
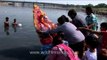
103, 32
92, 43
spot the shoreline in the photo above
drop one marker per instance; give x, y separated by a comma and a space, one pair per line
99, 11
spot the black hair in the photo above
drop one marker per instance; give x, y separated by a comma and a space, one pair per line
7, 18
57, 40
72, 13
60, 33
104, 25
92, 41
65, 18
44, 35
62, 19
89, 9
14, 20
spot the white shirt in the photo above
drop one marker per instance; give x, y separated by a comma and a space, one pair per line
91, 55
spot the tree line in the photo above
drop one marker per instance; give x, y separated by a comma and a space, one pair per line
101, 5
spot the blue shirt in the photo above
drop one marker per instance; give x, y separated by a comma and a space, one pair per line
92, 19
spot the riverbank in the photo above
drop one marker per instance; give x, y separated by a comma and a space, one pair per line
100, 11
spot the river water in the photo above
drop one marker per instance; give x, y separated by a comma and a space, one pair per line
25, 36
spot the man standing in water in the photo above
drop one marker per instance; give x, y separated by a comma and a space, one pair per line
6, 23
6, 26
14, 25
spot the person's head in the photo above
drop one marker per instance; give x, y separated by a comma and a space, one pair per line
72, 13
92, 41
57, 40
62, 19
65, 18
14, 20
7, 18
103, 26
89, 10
61, 33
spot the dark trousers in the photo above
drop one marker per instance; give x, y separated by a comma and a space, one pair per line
101, 57
78, 47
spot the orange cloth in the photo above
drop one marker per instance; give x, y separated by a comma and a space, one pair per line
41, 21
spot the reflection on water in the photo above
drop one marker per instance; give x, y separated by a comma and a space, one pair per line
15, 29
6, 30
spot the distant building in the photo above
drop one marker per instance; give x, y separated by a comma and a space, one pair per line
41, 4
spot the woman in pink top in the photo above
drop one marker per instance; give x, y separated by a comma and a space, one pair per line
61, 51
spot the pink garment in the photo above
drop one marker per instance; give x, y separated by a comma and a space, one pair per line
62, 52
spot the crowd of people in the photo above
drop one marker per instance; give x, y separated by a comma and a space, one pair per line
76, 40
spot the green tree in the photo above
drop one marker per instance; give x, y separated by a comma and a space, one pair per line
89, 5
101, 5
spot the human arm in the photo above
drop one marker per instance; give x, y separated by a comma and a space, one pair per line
104, 52
91, 25
57, 29
48, 32
91, 21
89, 30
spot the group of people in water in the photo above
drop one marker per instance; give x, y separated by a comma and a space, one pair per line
6, 25
76, 40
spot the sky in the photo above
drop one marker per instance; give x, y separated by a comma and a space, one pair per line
75, 2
